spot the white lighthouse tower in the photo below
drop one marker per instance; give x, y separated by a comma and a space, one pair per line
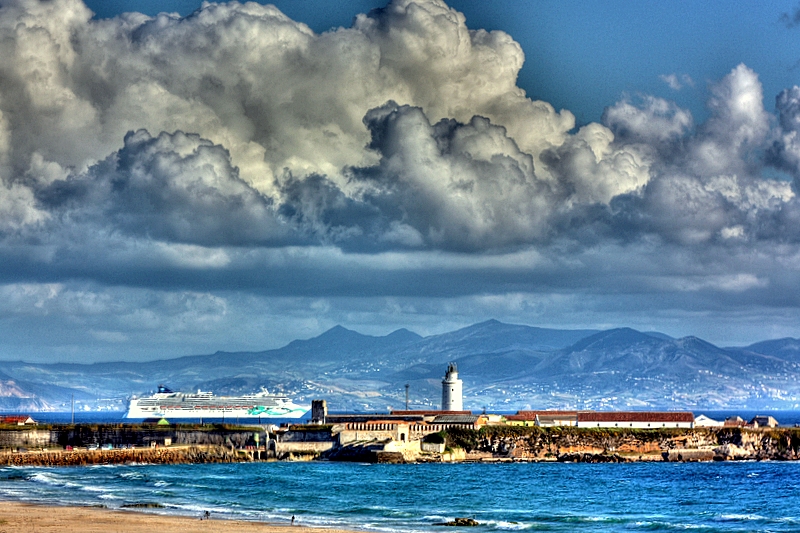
451, 390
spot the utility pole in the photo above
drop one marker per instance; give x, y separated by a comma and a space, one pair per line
406, 396
72, 402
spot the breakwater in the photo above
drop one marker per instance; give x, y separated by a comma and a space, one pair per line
126, 435
170, 455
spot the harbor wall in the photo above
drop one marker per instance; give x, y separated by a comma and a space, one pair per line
284, 449
173, 455
118, 435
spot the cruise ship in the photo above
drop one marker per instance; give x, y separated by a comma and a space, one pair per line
201, 404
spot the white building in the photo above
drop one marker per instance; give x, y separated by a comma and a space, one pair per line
451, 390
703, 421
635, 419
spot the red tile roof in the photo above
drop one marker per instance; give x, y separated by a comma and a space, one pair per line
430, 412
531, 415
635, 416
14, 419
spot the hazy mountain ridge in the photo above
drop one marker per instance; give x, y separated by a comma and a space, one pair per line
504, 367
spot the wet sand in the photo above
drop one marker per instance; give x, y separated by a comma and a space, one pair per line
24, 518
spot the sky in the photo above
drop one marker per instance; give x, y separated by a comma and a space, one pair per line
232, 176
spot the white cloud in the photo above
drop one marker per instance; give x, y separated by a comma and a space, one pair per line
268, 89
738, 123
237, 136
654, 123
676, 82
594, 170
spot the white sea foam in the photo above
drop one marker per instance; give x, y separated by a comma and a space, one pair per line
47, 478
510, 526
199, 508
132, 475
435, 518
740, 517
94, 488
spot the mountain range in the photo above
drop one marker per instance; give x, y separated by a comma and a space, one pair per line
504, 367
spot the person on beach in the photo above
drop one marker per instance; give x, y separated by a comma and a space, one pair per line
292, 519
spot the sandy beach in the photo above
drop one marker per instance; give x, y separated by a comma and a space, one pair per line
24, 518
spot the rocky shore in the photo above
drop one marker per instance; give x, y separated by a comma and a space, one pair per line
568, 444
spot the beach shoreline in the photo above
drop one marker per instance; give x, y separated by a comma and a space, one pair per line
19, 517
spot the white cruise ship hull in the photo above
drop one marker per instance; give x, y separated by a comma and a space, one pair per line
168, 404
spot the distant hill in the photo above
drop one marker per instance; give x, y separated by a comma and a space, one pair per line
787, 349
504, 367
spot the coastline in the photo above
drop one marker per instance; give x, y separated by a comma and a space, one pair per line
17, 517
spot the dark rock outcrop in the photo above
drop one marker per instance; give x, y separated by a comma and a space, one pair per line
459, 522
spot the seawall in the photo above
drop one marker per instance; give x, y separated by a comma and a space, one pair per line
118, 435
171, 455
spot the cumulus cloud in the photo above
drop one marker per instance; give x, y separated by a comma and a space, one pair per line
706, 181
244, 76
406, 130
655, 123
237, 126
676, 82
785, 151
456, 185
174, 187
738, 123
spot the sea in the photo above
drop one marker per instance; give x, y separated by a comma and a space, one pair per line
561, 497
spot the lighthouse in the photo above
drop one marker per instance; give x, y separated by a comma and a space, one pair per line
451, 390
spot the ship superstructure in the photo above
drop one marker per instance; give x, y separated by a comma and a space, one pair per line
204, 404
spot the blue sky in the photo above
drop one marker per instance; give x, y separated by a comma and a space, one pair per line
233, 180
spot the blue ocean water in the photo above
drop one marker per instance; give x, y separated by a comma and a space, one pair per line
704, 497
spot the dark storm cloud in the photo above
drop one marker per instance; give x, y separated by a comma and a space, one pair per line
451, 185
174, 188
